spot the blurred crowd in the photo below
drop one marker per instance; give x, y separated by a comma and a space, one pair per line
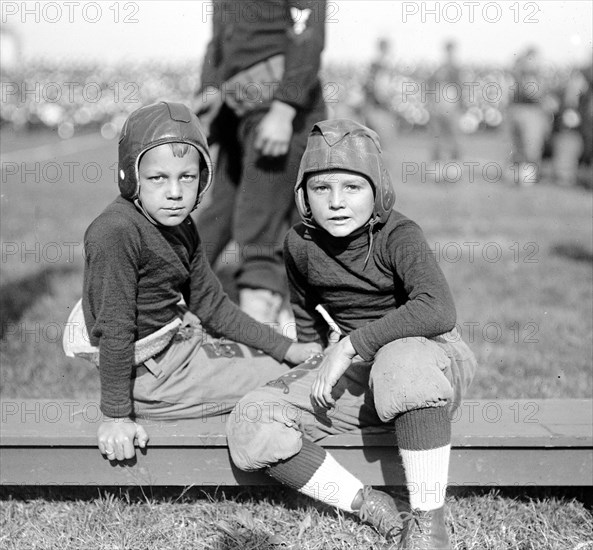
74, 97
486, 92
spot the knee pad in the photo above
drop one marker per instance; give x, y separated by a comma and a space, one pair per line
261, 432
410, 374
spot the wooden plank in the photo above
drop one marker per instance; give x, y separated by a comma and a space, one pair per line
504, 442
480, 466
500, 423
212, 466
159, 466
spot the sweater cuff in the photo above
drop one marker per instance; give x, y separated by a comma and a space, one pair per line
361, 347
113, 410
280, 350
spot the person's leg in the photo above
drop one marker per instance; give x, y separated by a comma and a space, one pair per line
454, 140
528, 131
264, 211
415, 381
435, 132
214, 217
515, 130
536, 128
275, 427
411, 389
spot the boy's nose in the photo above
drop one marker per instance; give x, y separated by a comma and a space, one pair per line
174, 189
336, 200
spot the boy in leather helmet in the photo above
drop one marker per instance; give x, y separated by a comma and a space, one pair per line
143, 256
397, 362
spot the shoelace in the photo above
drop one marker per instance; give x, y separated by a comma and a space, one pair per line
423, 523
372, 508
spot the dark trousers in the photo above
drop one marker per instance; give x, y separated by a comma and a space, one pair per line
252, 200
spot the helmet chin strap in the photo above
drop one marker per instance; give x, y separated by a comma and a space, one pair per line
143, 211
371, 223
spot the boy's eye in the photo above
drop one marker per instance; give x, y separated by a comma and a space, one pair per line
157, 179
319, 188
188, 177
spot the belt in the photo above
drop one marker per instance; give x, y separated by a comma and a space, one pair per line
183, 333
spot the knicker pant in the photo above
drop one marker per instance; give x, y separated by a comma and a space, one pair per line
198, 376
253, 198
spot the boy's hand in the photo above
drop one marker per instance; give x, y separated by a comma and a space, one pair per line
338, 358
117, 437
274, 132
299, 353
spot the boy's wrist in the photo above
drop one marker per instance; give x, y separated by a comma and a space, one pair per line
283, 108
117, 419
346, 347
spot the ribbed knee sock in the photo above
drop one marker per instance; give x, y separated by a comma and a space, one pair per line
315, 473
424, 441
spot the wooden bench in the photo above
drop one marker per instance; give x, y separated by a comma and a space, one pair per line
495, 442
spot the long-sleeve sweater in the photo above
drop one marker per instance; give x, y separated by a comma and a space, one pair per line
245, 33
400, 292
135, 273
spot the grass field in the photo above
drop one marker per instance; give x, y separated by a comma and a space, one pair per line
518, 260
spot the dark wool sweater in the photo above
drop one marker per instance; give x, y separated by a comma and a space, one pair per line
401, 292
245, 33
135, 273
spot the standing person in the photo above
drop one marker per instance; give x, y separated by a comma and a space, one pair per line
399, 363
377, 109
529, 122
444, 97
156, 358
260, 93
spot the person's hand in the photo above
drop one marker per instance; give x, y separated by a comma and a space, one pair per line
338, 358
274, 132
299, 352
117, 437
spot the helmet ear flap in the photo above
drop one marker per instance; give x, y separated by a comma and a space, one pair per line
206, 176
386, 195
301, 202
300, 195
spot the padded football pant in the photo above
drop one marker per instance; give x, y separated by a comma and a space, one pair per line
268, 424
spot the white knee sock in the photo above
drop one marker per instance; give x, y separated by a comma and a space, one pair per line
315, 473
424, 440
333, 484
427, 472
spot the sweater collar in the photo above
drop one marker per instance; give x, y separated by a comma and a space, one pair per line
361, 240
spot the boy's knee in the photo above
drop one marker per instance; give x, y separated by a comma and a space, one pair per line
261, 432
410, 374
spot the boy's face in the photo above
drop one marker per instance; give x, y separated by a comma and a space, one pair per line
169, 184
340, 202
